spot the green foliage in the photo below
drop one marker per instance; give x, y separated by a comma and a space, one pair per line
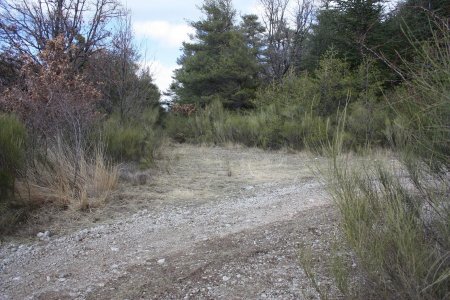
398, 226
401, 242
335, 84
12, 153
367, 124
220, 64
265, 128
295, 93
12, 160
297, 112
423, 102
415, 18
132, 140
252, 30
348, 27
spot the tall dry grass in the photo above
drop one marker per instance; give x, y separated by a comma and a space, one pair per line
69, 179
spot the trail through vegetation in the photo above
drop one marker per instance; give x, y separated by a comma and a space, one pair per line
214, 223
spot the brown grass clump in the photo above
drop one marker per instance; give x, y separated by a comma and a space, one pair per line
68, 179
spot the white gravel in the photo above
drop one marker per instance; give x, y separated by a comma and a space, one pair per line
91, 257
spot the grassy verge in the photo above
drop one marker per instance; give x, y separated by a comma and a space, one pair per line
395, 216
399, 234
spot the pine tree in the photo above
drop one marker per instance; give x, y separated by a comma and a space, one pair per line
350, 27
253, 33
220, 61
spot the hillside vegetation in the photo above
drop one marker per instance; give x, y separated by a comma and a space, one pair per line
335, 77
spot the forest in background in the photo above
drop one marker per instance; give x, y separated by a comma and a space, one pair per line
282, 80
330, 77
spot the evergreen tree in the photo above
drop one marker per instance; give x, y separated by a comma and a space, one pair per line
350, 27
220, 62
253, 33
411, 19
324, 35
359, 25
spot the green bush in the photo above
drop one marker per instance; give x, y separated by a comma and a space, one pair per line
12, 161
292, 92
297, 112
423, 103
401, 241
397, 220
267, 128
12, 153
335, 85
315, 132
132, 140
244, 130
366, 125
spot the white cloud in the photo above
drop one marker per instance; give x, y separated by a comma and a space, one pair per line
161, 73
255, 8
168, 34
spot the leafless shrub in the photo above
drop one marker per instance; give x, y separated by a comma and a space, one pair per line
53, 98
26, 26
183, 109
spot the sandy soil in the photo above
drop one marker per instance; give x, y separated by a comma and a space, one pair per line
207, 223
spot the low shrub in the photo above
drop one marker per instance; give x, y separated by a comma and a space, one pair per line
246, 130
132, 140
265, 128
12, 153
12, 162
397, 219
297, 112
399, 234
366, 125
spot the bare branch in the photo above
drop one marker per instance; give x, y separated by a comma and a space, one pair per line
303, 18
26, 26
278, 37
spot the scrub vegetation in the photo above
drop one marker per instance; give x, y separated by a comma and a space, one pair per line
337, 78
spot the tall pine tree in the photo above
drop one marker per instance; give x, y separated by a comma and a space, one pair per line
220, 62
351, 27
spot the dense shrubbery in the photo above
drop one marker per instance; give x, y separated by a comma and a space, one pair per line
397, 225
65, 159
301, 111
12, 154
47, 159
133, 139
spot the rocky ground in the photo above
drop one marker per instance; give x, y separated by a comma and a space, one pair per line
207, 223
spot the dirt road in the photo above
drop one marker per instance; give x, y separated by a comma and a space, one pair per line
210, 223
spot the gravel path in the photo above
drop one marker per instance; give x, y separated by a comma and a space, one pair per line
239, 244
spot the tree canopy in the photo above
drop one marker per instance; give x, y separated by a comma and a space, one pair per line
221, 61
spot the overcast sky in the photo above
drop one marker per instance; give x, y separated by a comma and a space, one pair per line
161, 26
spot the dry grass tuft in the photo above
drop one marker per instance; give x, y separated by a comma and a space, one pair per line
69, 179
